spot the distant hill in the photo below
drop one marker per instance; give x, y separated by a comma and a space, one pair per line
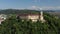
55, 13
16, 11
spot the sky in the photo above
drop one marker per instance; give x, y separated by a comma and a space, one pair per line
30, 4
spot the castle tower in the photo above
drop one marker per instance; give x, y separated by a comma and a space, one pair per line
41, 16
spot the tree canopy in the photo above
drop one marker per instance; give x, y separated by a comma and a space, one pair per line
15, 25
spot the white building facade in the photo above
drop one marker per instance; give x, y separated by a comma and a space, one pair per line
2, 17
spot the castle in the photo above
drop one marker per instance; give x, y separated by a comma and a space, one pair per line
33, 17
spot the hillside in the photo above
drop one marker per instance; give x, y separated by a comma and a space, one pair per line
15, 25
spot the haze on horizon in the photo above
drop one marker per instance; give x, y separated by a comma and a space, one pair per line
30, 4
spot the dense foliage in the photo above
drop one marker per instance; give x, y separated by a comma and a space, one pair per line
15, 25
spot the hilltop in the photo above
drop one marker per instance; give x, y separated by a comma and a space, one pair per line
15, 25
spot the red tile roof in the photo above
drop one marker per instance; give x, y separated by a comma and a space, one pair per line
27, 14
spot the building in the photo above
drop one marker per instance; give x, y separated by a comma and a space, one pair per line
33, 17
2, 17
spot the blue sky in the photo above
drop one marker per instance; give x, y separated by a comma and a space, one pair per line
29, 4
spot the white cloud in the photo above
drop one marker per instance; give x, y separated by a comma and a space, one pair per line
51, 8
34, 7
44, 8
